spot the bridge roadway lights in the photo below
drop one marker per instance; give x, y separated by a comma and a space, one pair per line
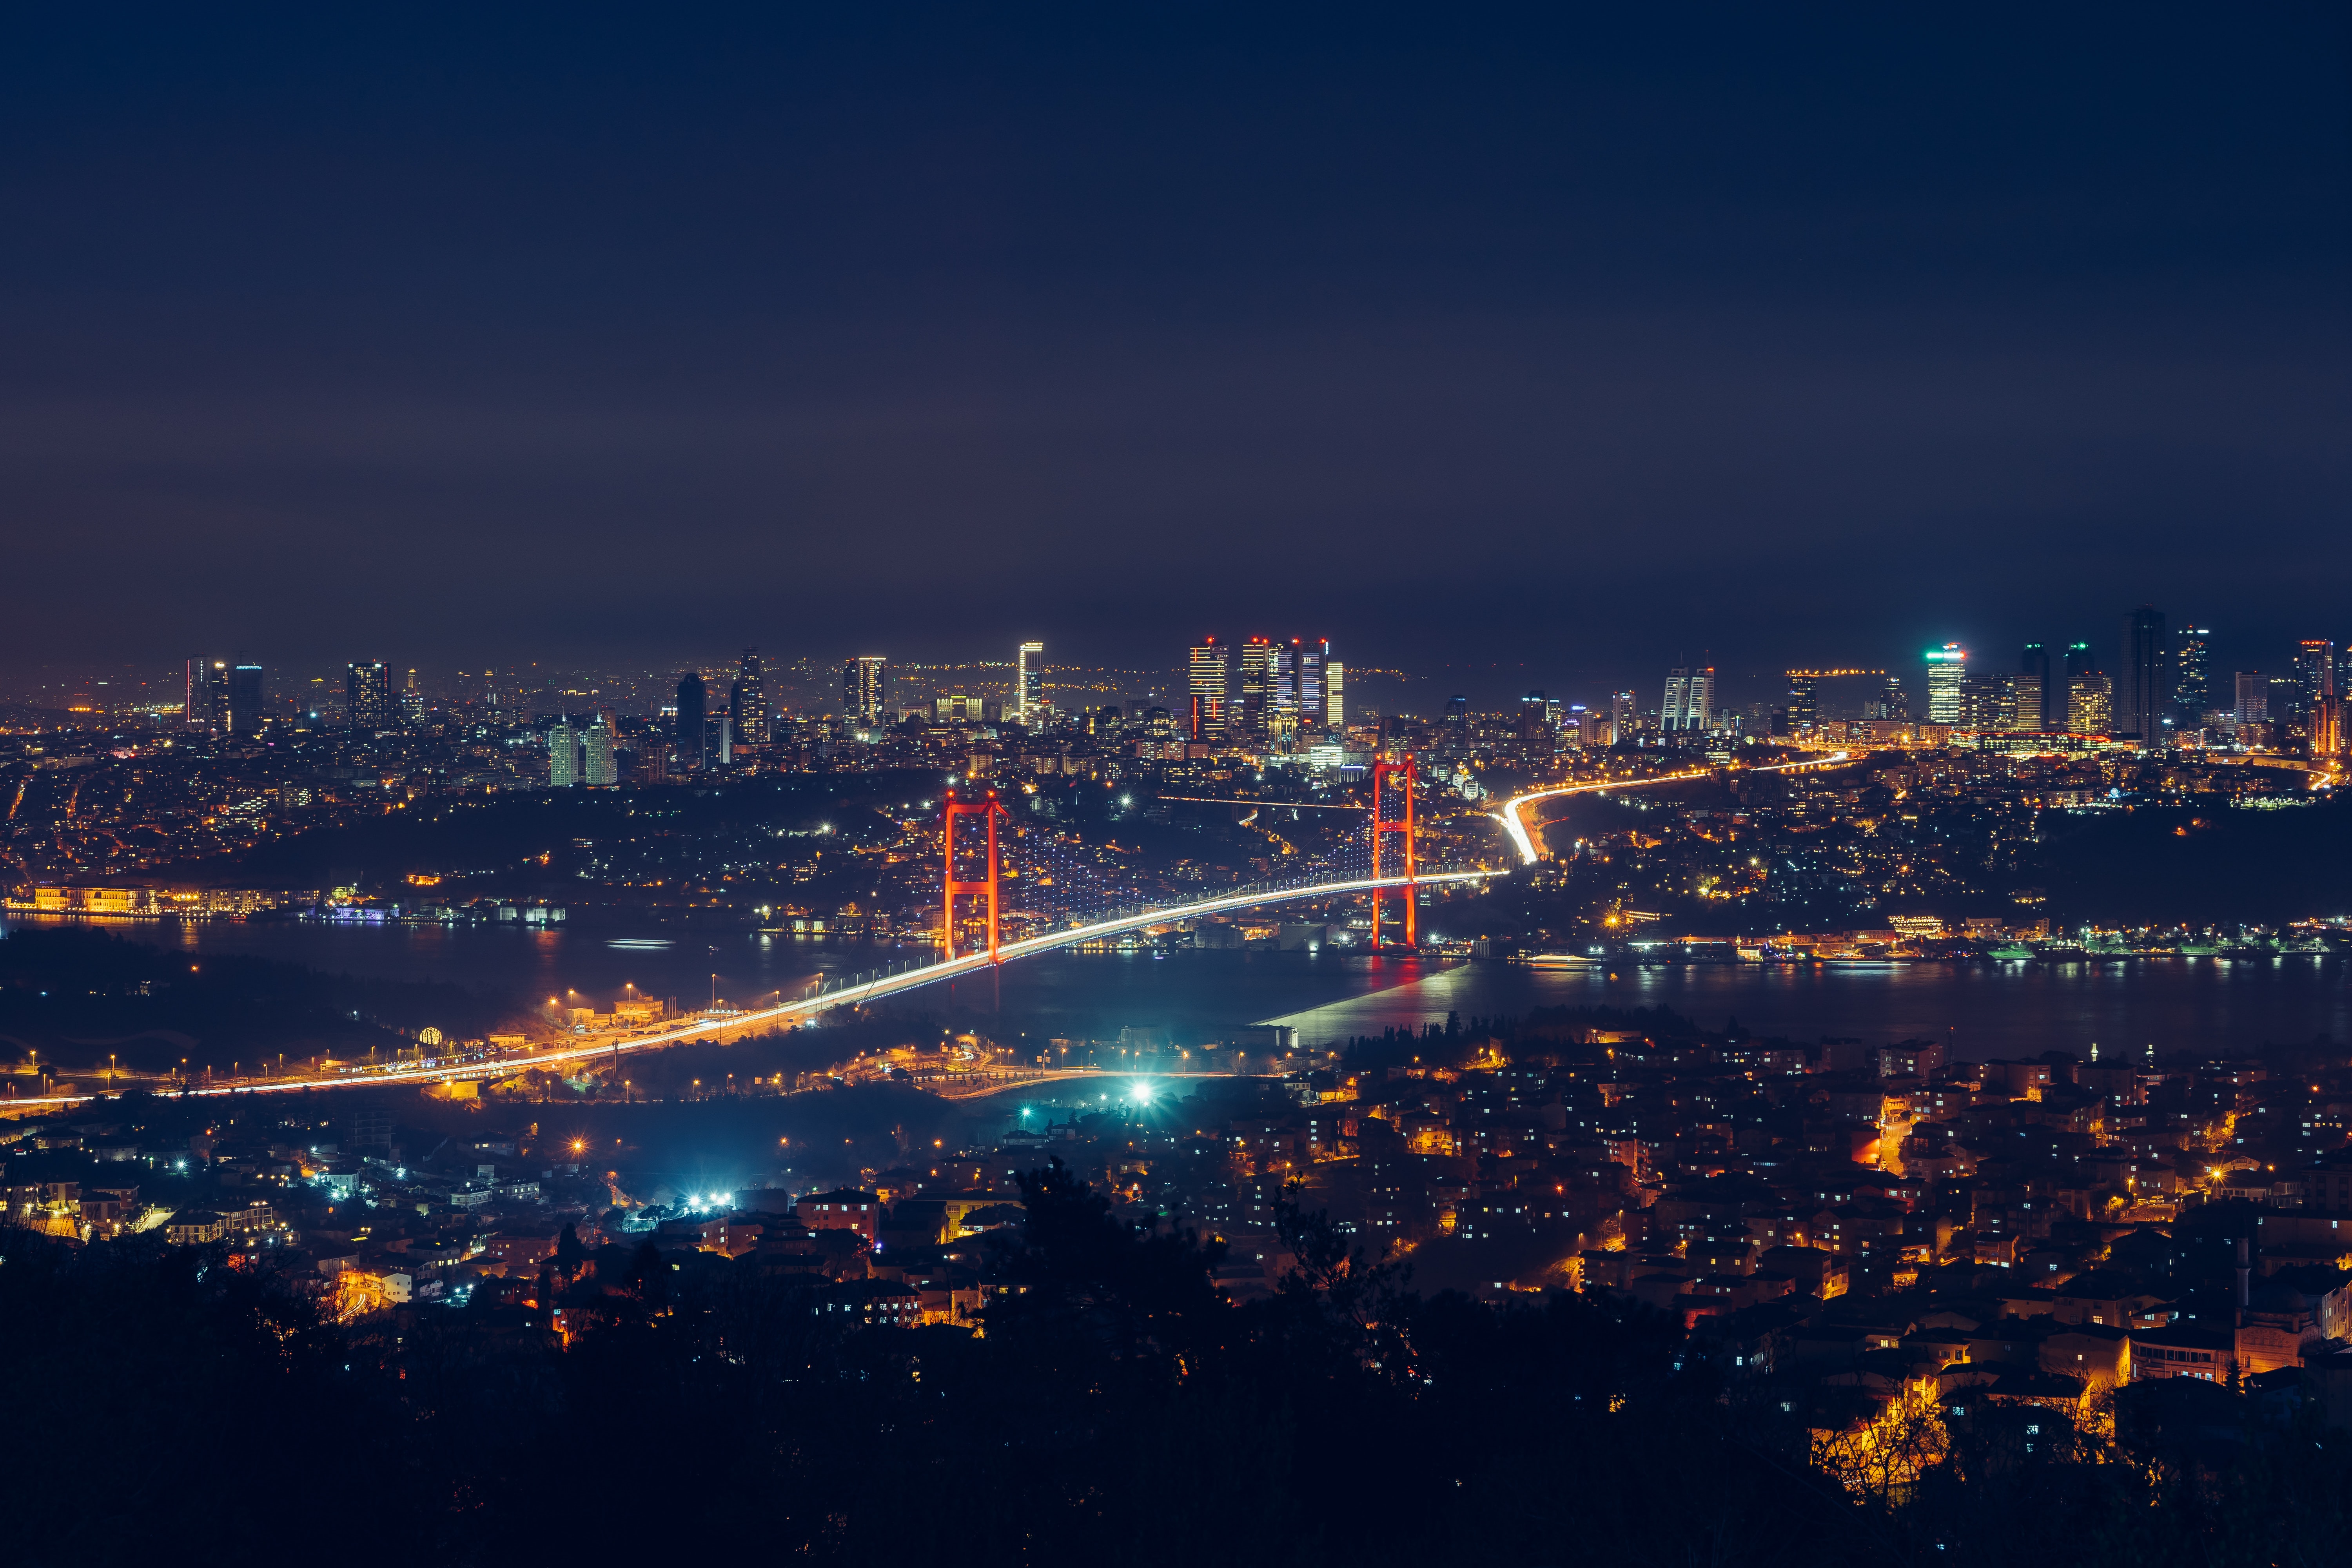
790, 1012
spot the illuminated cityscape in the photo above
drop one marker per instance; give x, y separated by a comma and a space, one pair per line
1109, 787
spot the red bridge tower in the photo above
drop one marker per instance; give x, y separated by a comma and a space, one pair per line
1407, 774
988, 810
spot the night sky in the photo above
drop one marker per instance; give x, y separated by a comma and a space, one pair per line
1552, 339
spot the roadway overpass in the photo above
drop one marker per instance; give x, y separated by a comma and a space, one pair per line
802, 1010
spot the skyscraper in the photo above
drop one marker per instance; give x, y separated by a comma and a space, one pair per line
1028, 681
1208, 688
1308, 656
2036, 693
199, 709
1947, 674
2090, 702
1335, 692
244, 698
2253, 698
1282, 688
866, 691
562, 754
2327, 725
597, 769
1803, 701
1992, 701
2144, 688
1621, 718
367, 697
2315, 673
1256, 689
2192, 676
748, 702
1690, 698
693, 720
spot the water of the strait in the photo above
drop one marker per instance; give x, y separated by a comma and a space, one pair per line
2199, 1006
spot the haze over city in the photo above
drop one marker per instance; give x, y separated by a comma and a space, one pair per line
1109, 787
1566, 343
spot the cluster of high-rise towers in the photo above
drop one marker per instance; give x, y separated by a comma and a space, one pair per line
2161, 686
1263, 688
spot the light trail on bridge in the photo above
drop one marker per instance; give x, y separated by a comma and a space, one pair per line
806, 1007
1515, 826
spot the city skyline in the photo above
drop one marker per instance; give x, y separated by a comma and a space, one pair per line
1741, 683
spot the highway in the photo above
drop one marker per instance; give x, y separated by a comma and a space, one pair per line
601, 1047
1515, 825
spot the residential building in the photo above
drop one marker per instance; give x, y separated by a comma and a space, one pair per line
1690, 699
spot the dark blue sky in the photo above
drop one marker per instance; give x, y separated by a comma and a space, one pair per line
1550, 339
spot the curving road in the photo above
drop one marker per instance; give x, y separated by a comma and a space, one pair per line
1515, 826
793, 1012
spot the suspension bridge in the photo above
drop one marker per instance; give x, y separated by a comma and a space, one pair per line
1393, 780
1361, 871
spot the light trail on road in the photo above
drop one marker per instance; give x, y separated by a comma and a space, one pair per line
805, 1008
1515, 826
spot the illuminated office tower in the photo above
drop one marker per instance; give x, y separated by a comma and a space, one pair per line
1335, 693
2252, 702
693, 722
1257, 689
1947, 674
1282, 689
2037, 693
2090, 702
1028, 681
2025, 711
367, 697
1208, 690
866, 691
2142, 689
2315, 673
205, 705
1804, 702
1308, 658
1894, 702
562, 754
244, 697
1992, 701
2192, 676
1690, 697
597, 768
748, 702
